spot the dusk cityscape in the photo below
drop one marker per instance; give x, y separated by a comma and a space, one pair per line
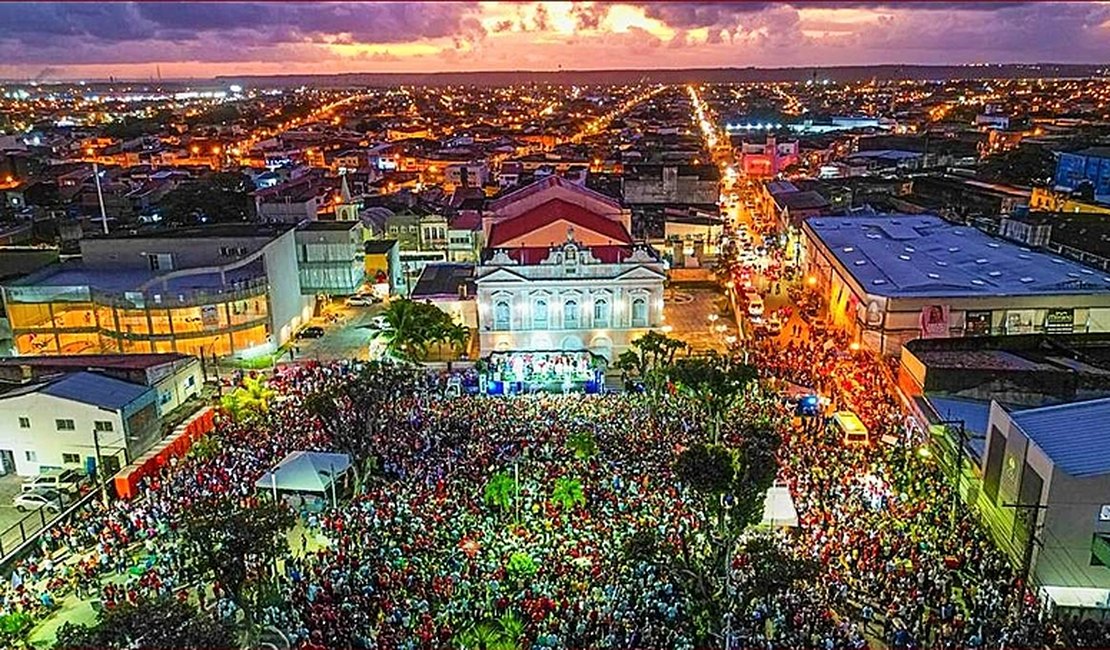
554, 325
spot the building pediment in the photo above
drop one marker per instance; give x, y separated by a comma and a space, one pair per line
641, 273
500, 274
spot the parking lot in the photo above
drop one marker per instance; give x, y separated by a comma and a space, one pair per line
689, 311
10, 534
347, 337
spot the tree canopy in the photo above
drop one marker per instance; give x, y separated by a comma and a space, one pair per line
150, 623
413, 327
217, 198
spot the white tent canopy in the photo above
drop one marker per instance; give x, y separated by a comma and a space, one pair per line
305, 471
778, 508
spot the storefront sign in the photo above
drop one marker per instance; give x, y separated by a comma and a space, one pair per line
977, 323
1059, 321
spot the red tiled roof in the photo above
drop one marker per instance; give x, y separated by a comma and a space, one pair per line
552, 211
543, 184
535, 254
467, 220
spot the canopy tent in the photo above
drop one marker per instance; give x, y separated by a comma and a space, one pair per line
305, 471
778, 508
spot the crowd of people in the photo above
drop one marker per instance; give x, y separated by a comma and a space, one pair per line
418, 556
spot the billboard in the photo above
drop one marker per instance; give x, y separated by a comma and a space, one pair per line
934, 321
1059, 321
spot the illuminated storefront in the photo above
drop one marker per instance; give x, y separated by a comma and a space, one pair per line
82, 320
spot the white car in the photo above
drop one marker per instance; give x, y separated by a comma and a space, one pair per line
51, 500
773, 327
67, 480
362, 300
380, 322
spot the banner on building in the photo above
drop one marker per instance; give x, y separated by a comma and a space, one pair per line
934, 321
210, 316
1059, 321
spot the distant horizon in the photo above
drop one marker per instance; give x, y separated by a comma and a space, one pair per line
1104, 68
189, 41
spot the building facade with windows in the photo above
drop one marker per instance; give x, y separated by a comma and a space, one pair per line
60, 423
205, 291
561, 272
330, 257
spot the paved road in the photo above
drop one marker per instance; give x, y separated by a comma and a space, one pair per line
347, 338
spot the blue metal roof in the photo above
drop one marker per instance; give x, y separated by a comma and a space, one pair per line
906, 256
97, 390
1075, 436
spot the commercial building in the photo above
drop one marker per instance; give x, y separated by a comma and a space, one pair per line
60, 423
451, 288
1047, 475
891, 279
330, 257
175, 378
205, 291
561, 272
671, 184
382, 263
1089, 168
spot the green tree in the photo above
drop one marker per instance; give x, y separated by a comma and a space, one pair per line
249, 400
567, 493
583, 444
162, 622
217, 198
500, 491
650, 359
504, 633
236, 543
414, 326
715, 382
521, 565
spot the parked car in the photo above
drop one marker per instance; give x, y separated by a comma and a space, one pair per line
362, 300
311, 332
51, 500
380, 322
773, 327
62, 480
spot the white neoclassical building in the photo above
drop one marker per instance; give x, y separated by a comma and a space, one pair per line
564, 274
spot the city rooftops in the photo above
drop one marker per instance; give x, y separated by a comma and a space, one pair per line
907, 256
214, 231
116, 280
456, 280
329, 226
89, 388
1078, 450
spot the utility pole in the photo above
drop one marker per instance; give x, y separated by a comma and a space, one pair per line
1031, 513
962, 438
99, 193
100, 473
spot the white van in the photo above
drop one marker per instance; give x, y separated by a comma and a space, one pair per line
755, 307
66, 481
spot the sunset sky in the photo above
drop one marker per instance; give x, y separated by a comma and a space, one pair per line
127, 40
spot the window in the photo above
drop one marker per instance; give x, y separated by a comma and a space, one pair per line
64, 425
31, 456
103, 426
570, 314
501, 315
639, 312
601, 313
539, 315
71, 459
24, 423
191, 381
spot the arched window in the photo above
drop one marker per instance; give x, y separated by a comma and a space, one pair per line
539, 315
639, 312
570, 314
601, 313
501, 315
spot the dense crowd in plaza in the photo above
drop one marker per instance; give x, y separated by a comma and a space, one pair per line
418, 556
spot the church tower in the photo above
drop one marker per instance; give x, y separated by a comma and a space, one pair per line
346, 209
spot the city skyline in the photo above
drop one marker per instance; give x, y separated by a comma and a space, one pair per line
72, 41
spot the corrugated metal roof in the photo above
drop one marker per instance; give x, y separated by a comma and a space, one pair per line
97, 390
1075, 436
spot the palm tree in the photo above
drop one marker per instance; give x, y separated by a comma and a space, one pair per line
250, 399
500, 491
568, 493
413, 326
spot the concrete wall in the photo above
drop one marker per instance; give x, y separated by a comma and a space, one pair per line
288, 308
45, 442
